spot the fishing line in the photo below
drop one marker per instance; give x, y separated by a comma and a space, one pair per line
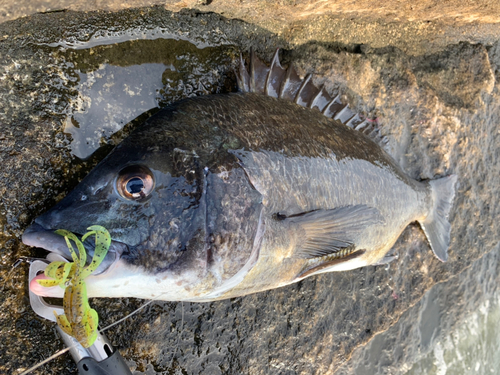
127, 316
61, 352
53, 356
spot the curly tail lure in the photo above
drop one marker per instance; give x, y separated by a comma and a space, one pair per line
79, 319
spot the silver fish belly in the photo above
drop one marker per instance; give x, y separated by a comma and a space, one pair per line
226, 195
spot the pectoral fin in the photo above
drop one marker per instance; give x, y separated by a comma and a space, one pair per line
332, 232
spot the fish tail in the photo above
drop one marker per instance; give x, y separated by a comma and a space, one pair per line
436, 225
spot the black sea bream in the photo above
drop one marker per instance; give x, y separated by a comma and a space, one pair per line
226, 195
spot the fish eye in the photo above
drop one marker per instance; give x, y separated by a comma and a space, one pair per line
135, 182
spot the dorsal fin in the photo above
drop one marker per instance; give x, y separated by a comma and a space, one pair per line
286, 84
371, 130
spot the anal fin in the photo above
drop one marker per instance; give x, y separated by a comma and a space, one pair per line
329, 264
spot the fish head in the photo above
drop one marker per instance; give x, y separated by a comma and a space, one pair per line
149, 195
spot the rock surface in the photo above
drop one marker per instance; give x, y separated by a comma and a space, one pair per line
438, 107
417, 27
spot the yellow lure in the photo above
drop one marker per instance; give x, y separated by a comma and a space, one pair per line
79, 319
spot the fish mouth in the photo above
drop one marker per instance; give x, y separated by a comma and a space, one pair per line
38, 236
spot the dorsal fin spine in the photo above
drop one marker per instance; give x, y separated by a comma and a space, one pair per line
304, 83
352, 121
284, 84
361, 125
341, 112
274, 63
252, 71
326, 110
268, 78
242, 77
313, 101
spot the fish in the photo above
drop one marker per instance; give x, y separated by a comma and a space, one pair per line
225, 195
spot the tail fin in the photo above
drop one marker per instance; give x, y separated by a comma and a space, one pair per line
436, 226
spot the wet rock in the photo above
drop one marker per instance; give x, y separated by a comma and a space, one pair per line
457, 82
416, 27
432, 337
439, 110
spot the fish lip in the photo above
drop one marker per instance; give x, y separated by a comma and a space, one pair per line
38, 236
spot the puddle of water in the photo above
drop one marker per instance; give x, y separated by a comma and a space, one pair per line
109, 85
109, 98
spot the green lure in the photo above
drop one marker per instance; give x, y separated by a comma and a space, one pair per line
79, 319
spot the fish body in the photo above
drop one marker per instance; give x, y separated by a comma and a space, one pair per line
225, 195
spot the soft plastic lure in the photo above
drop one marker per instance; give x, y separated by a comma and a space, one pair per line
79, 319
